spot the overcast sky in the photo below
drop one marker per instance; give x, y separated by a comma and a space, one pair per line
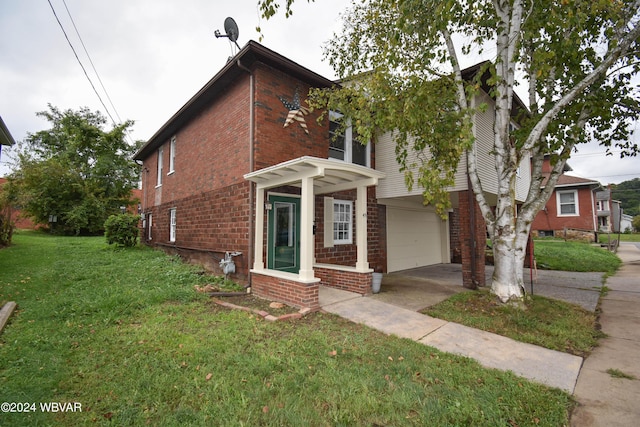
153, 55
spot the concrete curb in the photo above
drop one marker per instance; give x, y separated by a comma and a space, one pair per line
5, 313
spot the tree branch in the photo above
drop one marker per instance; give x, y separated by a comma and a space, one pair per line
540, 128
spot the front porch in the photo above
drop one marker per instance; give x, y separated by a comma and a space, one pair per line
289, 227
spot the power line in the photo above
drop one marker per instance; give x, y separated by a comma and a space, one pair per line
621, 174
80, 62
91, 62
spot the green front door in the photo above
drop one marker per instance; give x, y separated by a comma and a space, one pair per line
284, 234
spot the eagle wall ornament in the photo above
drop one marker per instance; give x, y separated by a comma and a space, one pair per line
296, 111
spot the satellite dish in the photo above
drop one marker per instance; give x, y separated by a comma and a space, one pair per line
231, 28
231, 31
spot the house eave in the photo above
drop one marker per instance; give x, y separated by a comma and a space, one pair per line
5, 136
593, 184
251, 53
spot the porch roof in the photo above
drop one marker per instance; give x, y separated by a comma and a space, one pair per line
328, 175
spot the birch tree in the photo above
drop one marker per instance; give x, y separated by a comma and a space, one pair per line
576, 61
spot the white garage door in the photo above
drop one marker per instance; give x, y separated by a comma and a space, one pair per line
413, 239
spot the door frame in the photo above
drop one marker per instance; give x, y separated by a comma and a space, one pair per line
283, 198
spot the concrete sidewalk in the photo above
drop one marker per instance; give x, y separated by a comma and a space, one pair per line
602, 399
549, 367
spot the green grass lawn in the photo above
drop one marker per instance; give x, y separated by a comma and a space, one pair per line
124, 334
574, 256
624, 237
545, 322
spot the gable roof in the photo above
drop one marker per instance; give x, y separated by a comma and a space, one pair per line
251, 53
568, 180
573, 181
518, 107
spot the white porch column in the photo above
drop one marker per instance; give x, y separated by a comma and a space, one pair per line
306, 229
361, 229
258, 241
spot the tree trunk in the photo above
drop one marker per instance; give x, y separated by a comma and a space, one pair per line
507, 281
510, 239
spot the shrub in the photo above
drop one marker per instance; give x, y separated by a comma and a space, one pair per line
122, 229
6, 230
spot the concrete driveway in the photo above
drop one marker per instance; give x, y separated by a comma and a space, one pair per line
423, 287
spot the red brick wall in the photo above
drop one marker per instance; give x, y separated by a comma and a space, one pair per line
212, 150
215, 221
208, 190
549, 220
288, 291
346, 254
472, 277
273, 142
454, 236
345, 280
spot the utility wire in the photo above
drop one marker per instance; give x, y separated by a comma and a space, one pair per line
115, 110
91, 62
80, 62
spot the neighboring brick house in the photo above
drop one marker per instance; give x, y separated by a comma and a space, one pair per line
571, 210
18, 220
23, 222
245, 168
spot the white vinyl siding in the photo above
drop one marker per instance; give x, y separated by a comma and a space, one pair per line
394, 183
483, 131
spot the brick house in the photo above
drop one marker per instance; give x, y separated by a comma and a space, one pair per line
572, 210
245, 169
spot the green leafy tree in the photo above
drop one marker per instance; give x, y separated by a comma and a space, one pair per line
636, 223
576, 60
628, 192
75, 171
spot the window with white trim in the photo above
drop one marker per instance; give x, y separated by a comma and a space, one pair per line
567, 202
343, 145
150, 223
342, 222
160, 161
172, 156
172, 225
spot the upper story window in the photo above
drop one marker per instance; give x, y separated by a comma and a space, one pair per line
160, 165
172, 156
344, 145
603, 205
567, 202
